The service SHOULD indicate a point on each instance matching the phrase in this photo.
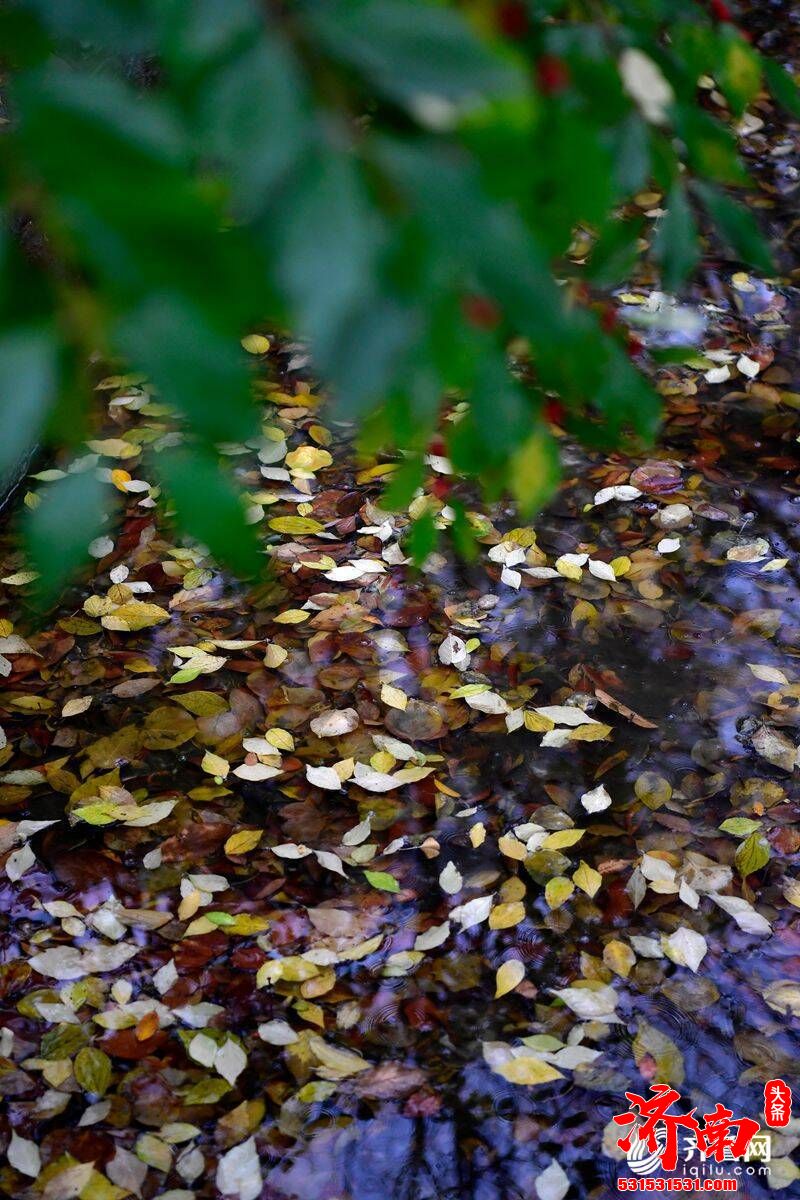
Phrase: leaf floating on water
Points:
(527, 1070)
(509, 976)
(553, 1183)
(685, 947)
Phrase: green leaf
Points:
(254, 116)
(737, 226)
(382, 880)
(712, 151)
(752, 855)
(739, 71)
(27, 385)
(422, 538)
(326, 239)
(412, 50)
(676, 245)
(58, 531)
(93, 1070)
(534, 471)
(197, 369)
(740, 826)
(209, 507)
(783, 86)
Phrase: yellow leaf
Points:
(308, 458)
(255, 343)
(619, 957)
(558, 891)
(240, 843)
(527, 1070)
(509, 976)
(562, 838)
(281, 739)
(477, 834)
(536, 723)
(589, 733)
(134, 615)
(505, 916)
(394, 697)
(120, 478)
(292, 616)
(587, 879)
(213, 764)
(569, 570)
(620, 566)
(295, 525)
(512, 847)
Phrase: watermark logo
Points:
(716, 1136)
(777, 1103)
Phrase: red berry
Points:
(608, 318)
(437, 446)
(552, 75)
(480, 311)
(554, 411)
(721, 11)
(634, 346)
(512, 19)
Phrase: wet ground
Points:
(371, 1062)
(434, 969)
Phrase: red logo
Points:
(777, 1103)
(719, 1136)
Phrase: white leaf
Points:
(450, 879)
(566, 714)
(747, 366)
(374, 781)
(324, 777)
(552, 1184)
(358, 834)
(256, 772)
(230, 1060)
(65, 962)
(645, 84)
(767, 674)
(24, 1156)
(507, 553)
(277, 1033)
(596, 800)
(203, 1050)
(335, 724)
(433, 937)
(19, 861)
(685, 947)
(589, 1003)
(488, 702)
(291, 850)
(718, 374)
(330, 861)
(743, 914)
(668, 545)
(165, 977)
(624, 491)
(601, 570)
(473, 912)
(453, 652)
(239, 1172)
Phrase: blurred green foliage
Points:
(397, 181)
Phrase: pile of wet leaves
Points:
(379, 872)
